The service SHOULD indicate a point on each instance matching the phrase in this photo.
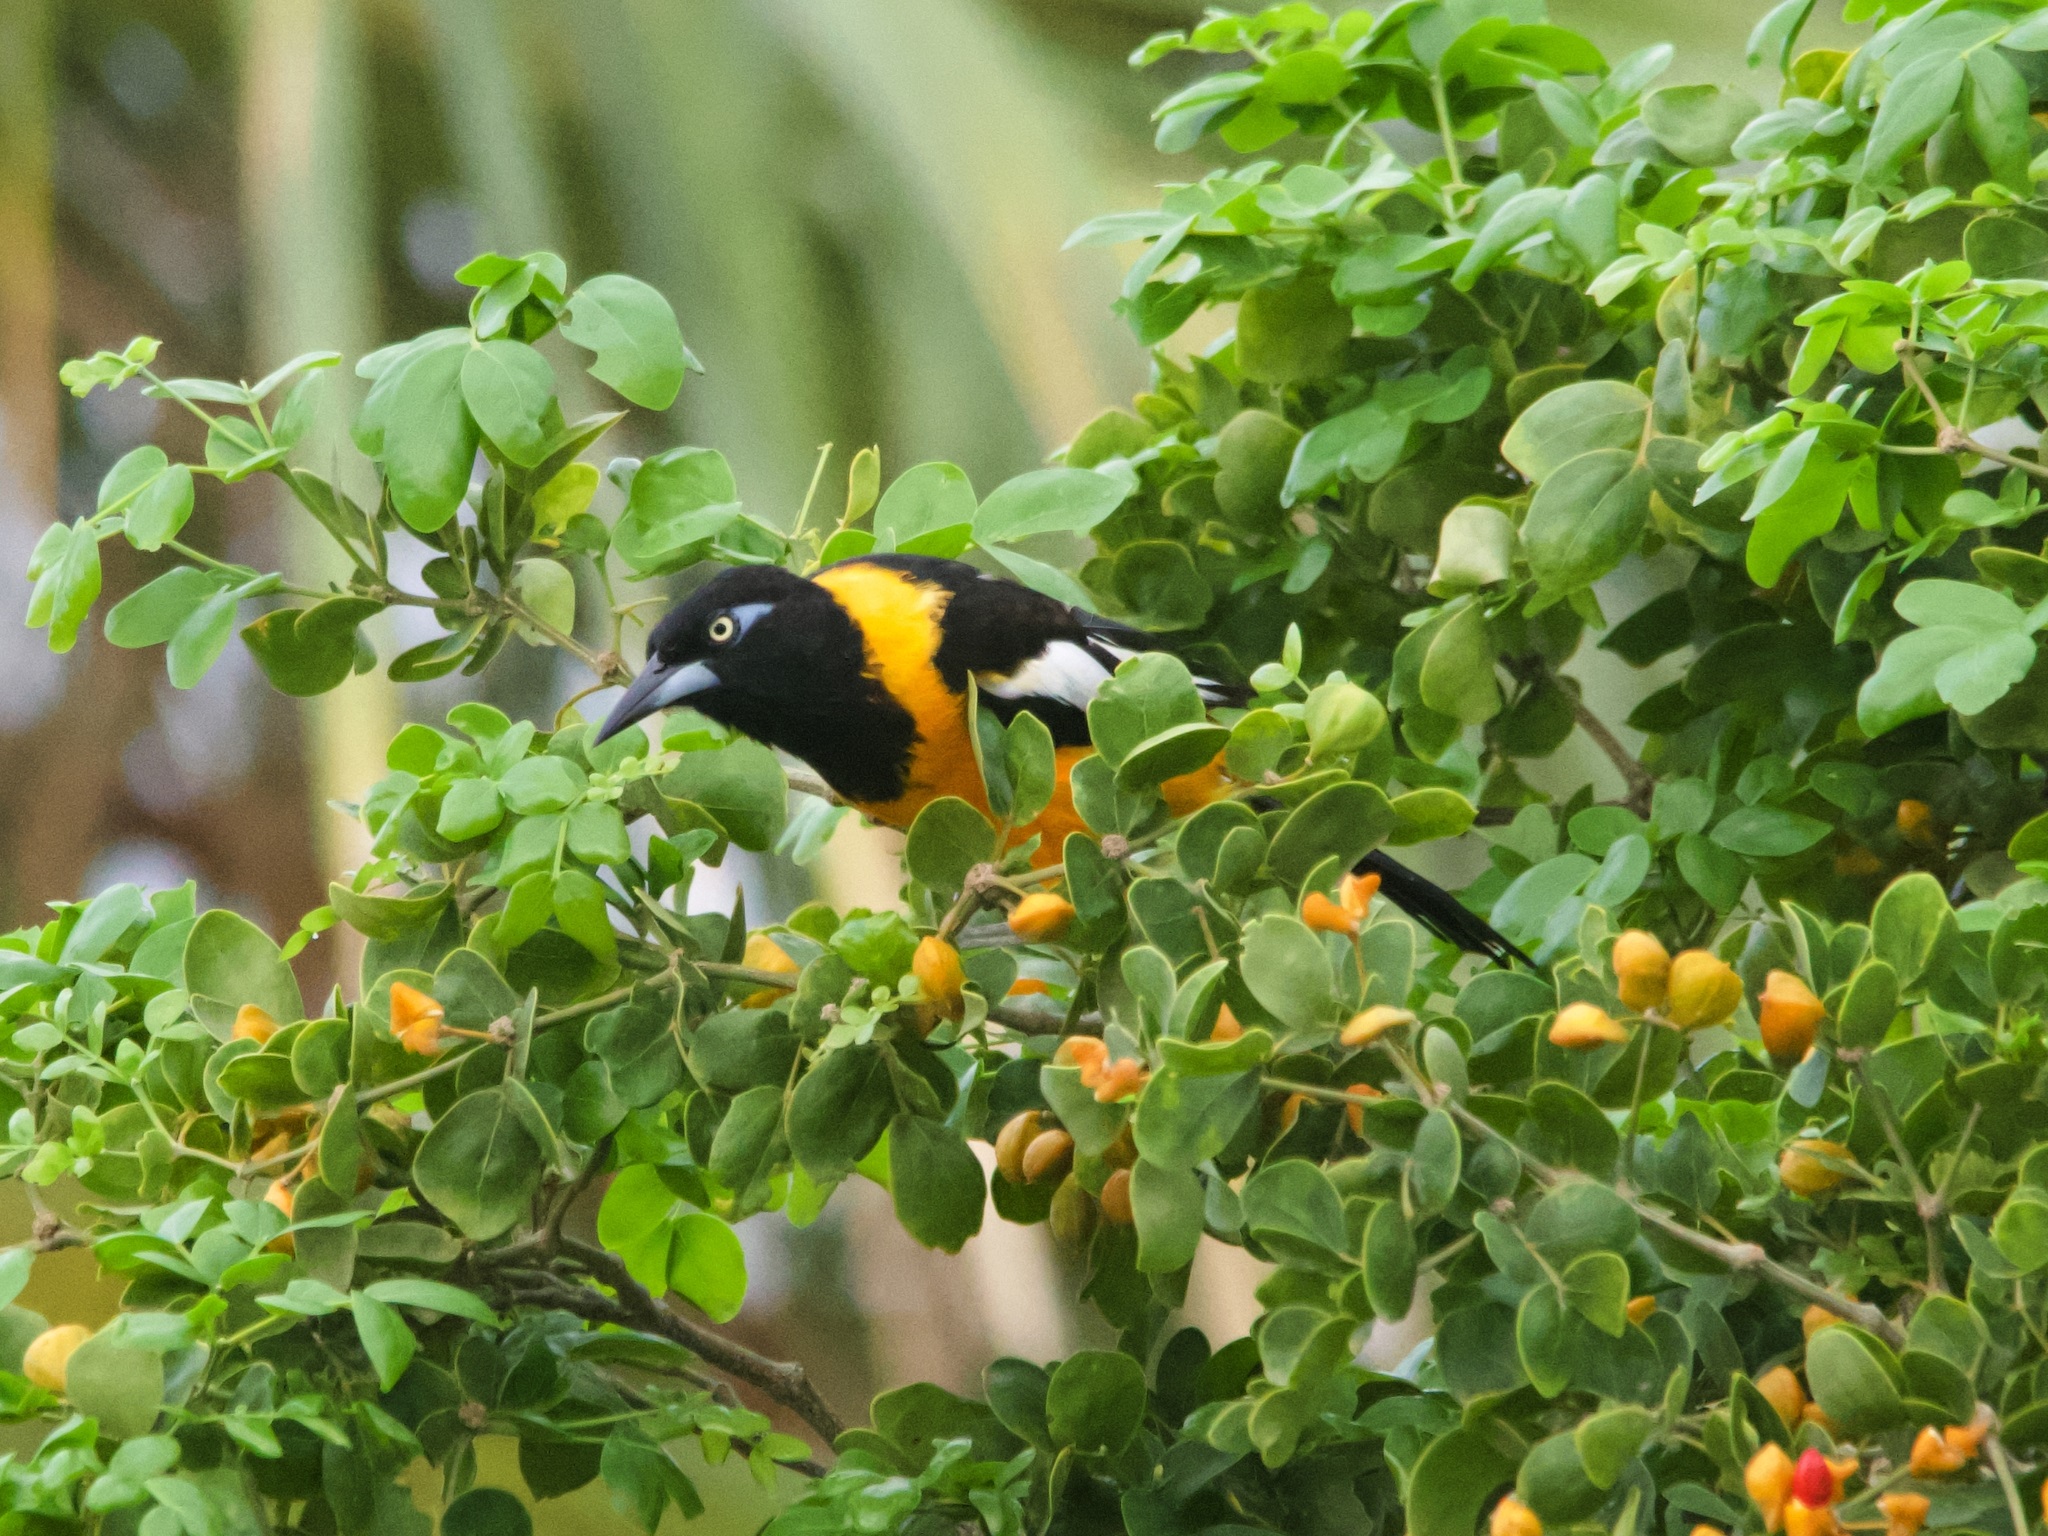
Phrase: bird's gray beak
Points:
(655, 689)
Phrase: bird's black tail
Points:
(1439, 911)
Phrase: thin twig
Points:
(1924, 1200)
(1641, 784)
(784, 1381)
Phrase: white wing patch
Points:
(1063, 671)
(1073, 674)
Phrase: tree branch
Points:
(784, 1381)
(1641, 786)
(1741, 1256)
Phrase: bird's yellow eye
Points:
(722, 629)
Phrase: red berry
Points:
(1812, 1483)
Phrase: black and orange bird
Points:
(861, 671)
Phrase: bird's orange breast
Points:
(900, 619)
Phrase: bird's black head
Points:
(764, 651)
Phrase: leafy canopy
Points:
(1530, 354)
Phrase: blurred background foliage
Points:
(857, 208)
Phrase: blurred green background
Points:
(856, 207)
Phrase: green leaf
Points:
(2021, 1231)
(508, 387)
(547, 590)
(153, 494)
(480, 1165)
(385, 1337)
(1364, 443)
(1343, 822)
(1867, 1009)
(1698, 124)
(924, 500)
(1030, 763)
(470, 808)
(1044, 501)
(948, 838)
(1292, 1209)
(839, 1111)
(1287, 969)
(1585, 518)
(741, 787)
(433, 1296)
(1765, 832)
(1149, 694)
(1855, 1379)
(1174, 751)
(307, 651)
(1911, 925)
(707, 1266)
(1095, 1402)
(1458, 669)
(486, 1512)
(1914, 105)
(1166, 1203)
(633, 331)
(66, 566)
(937, 1182)
(1389, 1260)
(429, 441)
(229, 961)
(584, 913)
(1579, 418)
(1452, 1480)
(151, 614)
(1596, 1287)
(680, 501)
(119, 1384)
(1609, 1440)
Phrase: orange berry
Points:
(1806, 1168)
(1029, 986)
(1325, 916)
(1934, 1456)
(1226, 1026)
(1011, 1141)
(1511, 1517)
(764, 954)
(936, 965)
(1803, 1519)
(1781, 1389)
(1906, 1513)
(48, 1355)
(1290, 1111)
(1366, 1027)
(1788, 1015)
(1703, 990)
(1120, 1079)
(1640, 1307)
(1354, 1114)
(1857, 862)
(1072, 1217)
(1049, 1156)
(1915, 821)
(1768, 1480)
(1811, 1414)
(1083, 1051)
(280, 1195)
(1585, 1027)
(1115, 1199)
(416, 1020)
(1355, 894)
(1041, 917)
(1815, 1318)
(1642, 969)
(1708, 1530)
(1968, 1437)
(252, 1023)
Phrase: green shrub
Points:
(1781, 369)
